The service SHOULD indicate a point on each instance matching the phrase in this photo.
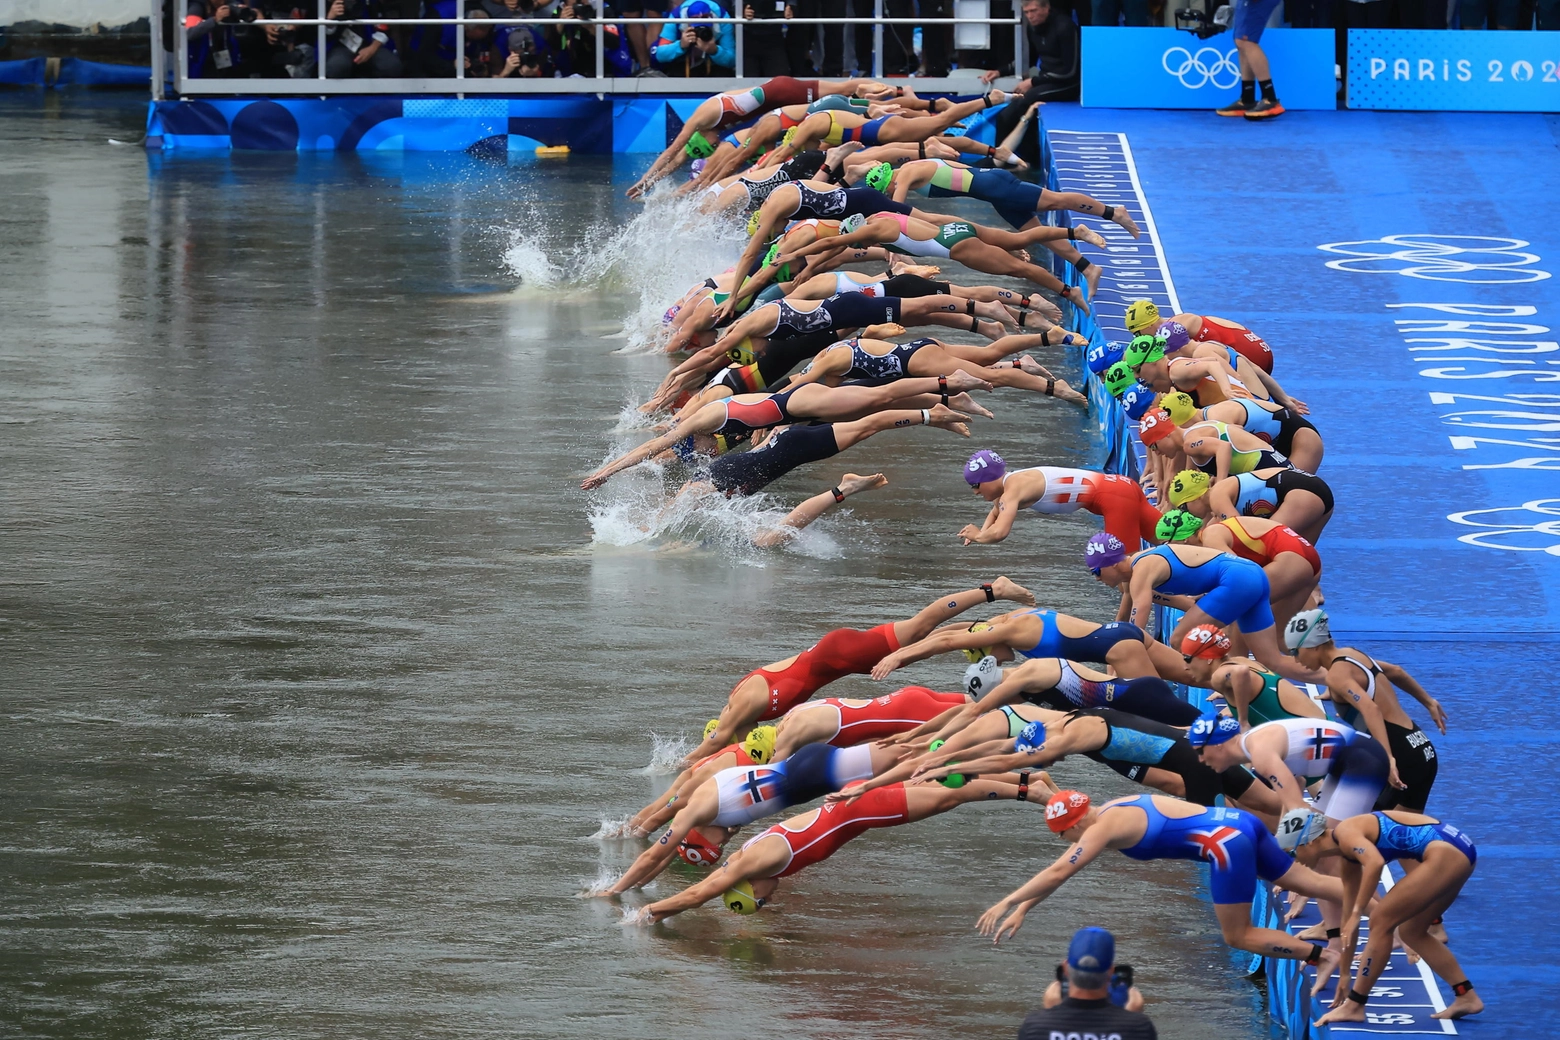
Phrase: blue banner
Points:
(1168, 68)
(1454, 71)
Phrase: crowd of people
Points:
(804, 348)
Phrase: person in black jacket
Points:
(1087, 1010)
(1051, 39)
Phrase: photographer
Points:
(286, 55)
(222, 43)
(358, 47)
(1088, 1007)
(689, 47)
(574, 47)
(527, 56)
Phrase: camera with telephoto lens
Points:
(584, 11)
(704, 32)
(238, 14)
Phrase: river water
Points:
(322, 677)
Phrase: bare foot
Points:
(1314, 933)
(1023, 254)
(1091, 279)
(945, 418)
(1010, 590)
(923, 270)
(935, 149)
(959, 379)
(1039, 303)
(851, 484)
(1084, 233)
(1060, 390)
(997, 313)
(966, 403)
(836, 155)
(1467, 1004)
(887, 330)
(1348, 1011)
(1126, 221)
(1297, 905)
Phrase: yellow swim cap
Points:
(1142, 315)
(1188, 486)
(1180, 406)
(753, 224)
(790, 135)
(710, 727)
(741, 900)
(974, 656)
(760, 744)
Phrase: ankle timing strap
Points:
(839, 496)
(1023, 778)
(1459, 988)
(1358, 998)
(1109, 213)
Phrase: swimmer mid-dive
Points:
(848, 721)
(1053, 490)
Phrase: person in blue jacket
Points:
(689, 47)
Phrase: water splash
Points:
(666, 754)
(604, 880)
(613, 828)
(525, 257)
(636, 917)
(637, 513)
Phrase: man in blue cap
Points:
(1087, 1009)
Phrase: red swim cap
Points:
(1065, 809)
(1205, 641)
(1155, 426)
(699, 850)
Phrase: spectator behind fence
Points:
(763, 39)
(526, 54)
(358, 47)
(641, 38)
(1052, 40)
(690, 47)
(574, 46)
(1087, 1009)
(222, 44)
(289, 54)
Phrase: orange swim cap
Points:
(1155, 426)
(1064, 810)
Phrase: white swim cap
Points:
(1307, 628)
(1299, 827)
(982, 677)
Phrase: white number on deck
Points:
(1388, 1019)
(1385, 992)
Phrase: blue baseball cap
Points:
(1102, 355)
(699, 9)
(1212, 728)
(1137, 400)
(1092, 950)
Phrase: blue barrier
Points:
(1167, 68)
(1454, 71)
(25, 73)
(78, 72)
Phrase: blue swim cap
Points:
(1031, 738)
(1102, 355)
(1212, 728)
(1137, 400)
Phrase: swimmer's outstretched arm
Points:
(1084, 851)
(1400, 678)
(940, 642)
(706, 420)
(999, 522)
(928, 730)
(1276, 392)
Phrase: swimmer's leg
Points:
(816, 506)
(1043, 234)
(947, 608)
(1081, 203)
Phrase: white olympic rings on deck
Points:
(1474, 259)
(1206, 66)
(1496, 535)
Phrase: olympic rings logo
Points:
(1473, 259)
(1208, 65)
(1511, 533)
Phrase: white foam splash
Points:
(639, 514)
(613, 828)
(666, 754)
(525, 257)
(636, 917)
(598, 885)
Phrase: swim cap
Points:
(1031, 738)
(740, 899)
(1142, 349)
(1299, 827)
(1188, 486)
(710, 727)
(699, 146)
(984, 465)
(698, 850)
(1064, 810)
(1141, 316)
(1307, 628)
(696, 167)
(773, 255)
(1138, 400)
(1173, 335)
(879, 176)
(974, 656)
(854, 222)
(1118, 377)
(760, 744)
(1206, 641)
(1177, 525)
(752, 225)
(1102, 355)
(790, 135)
(671, 313)
(1102, 550)
(1180, 406)
(1211, 728)
(983, 675)
(1155, 426)
(953, 780)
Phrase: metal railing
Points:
(460, 84)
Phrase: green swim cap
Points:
(1141, 350)
(699, 146)
(953, 780)
(1118, 377)
(1177, 525)
(854, 222)
(879, 177)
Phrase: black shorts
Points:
(1289, 424)
(1295, 480)
(748, 472)
(1417, 765)
(907, 286)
